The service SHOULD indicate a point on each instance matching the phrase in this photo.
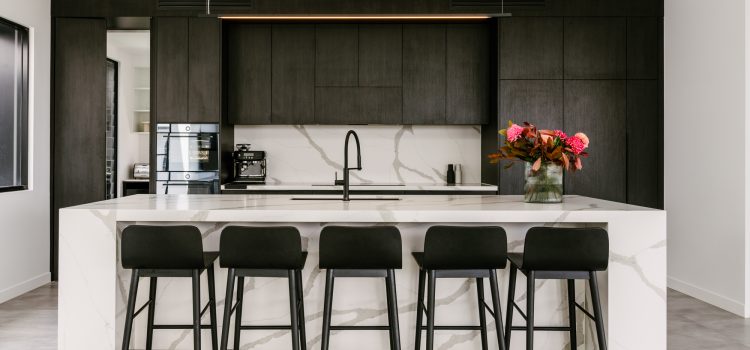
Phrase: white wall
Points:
(25, 215)
(705, 150)
(390, 153)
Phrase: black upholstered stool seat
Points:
(263, 252)
(559, 253)
(373, 251)
(167, 251)
(461, 252)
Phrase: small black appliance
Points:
(249, 165)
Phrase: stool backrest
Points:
(462, 247)
(566, 249)
(375, 247)
(261, 247)
(162, 247)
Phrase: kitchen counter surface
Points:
(93, 298)
(370, 188)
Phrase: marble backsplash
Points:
(390, 153)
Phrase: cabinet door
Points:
(467, 74)
(380, 55)
(171, 71)
(595, 48)
(358, 105)
(424, 74)
(293, 74)
(531, 48)
(204, 70)
(249, 84)
(336, 56)
(539, 102)
(597, 108)
(645, 47)
(645, 143)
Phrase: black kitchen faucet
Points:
(346, 161)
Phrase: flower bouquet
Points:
(546, 154)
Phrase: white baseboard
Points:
(720, 301)
(24, 287)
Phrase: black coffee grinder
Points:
(249, 166)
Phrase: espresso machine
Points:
(249, 166)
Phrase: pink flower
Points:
(514, 133)
(583, 138)
(562, 135)
(575, 144)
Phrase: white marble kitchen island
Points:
(93, 286)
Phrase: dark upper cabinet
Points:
(380, 55)
(645, 143)
(613, 7)
(467, 75)
(292, 73)
(645, 47)
(531, 48)
(424, 74)
(171, 71)
(595, 48)
(535, 101)
(249, 82)
(358, 105)
(598, 109)
(187, 74)
(336, 55)
(204, 70)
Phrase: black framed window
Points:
(14, 105)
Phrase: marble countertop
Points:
(365, 187)
(408, 208)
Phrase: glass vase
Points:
(544, 185)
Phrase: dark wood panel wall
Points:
(601, 73)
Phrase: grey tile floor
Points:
(29, 322)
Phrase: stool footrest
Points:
(455, 328)
(360, 328)
(180, 326)
(542, 328)
(264, 327)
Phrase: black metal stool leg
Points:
(420, 308)
(572, 313)
(482, 316)
(431, 279)
(393, 310)
(151, 309)
(327, 310)
(131, 309)
(212, 307)
(597, 310)
(293, 315)
(301, 316)
(510, 309)
(530, 291)
(196, 310)
(238, 311)
(497, 310)
(227, 309)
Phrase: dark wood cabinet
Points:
(645, 47)
(598, 109)
(204, 70)
(380, 55)
(358, 105)
(595, 48)
(531, 48)
(336, 55)
(171, 69)
(424, 74)
(293, 74)
(187, 72)
(535, 101)
(467, 74)
(249, 80)
(645, 129)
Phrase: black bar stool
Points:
(263, 252)
(461, 252)
(168, 251)
(559, 253)
(361, 252)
